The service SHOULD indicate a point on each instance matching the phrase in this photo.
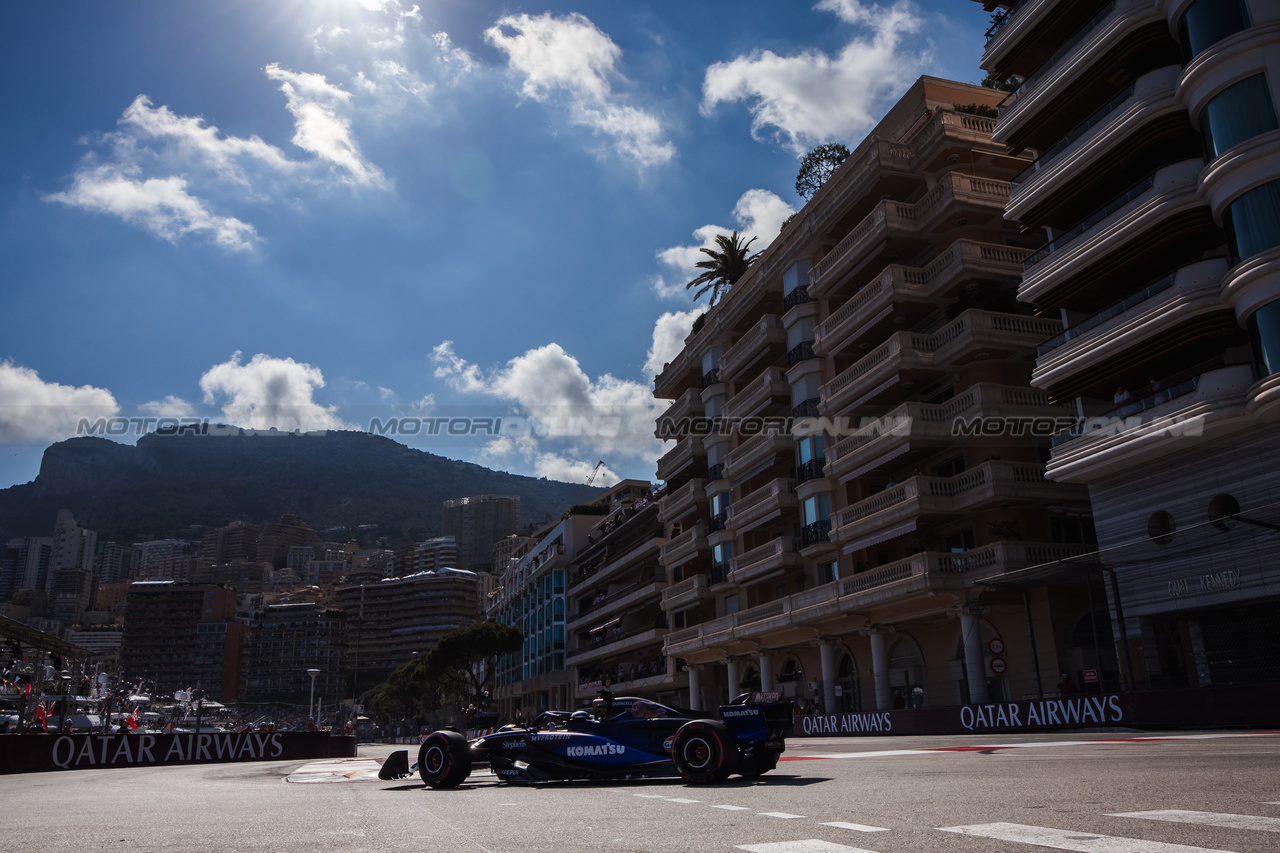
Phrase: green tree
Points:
(725, 267)
(817, 166)
(1004, 84)
(463, 663)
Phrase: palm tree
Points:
(725, 267)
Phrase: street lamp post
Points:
(311, 706)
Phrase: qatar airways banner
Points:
(33, 753)
(1212, 706)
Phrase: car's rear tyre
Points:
(444, 759)
(704, 751)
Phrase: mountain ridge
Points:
(168, 484)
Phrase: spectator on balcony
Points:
(1156, 385)
(1122, 396)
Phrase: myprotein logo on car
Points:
(598, 749)
(544, 738)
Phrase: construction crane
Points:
(590, 480)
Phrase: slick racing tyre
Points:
(444, 759)
(704, 751)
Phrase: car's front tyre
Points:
(444, 759)
(704, 752)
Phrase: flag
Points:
(133, 719)
(42, 716)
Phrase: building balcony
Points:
(685, 370)
(1024, 21)
(759, 395)
(748, 299)
(963, 261)
(623, 645)
(760, 341)
(683, 501)
(1120, 131)
(1120, 338)
(1154, 429)
(687, 405)
(975, 335)
(633, 685)
(619, 602)
(686, 547)
(758, 454)
(1119, 32)
(769, 561)
(687, 458)
(954, 194)
(687, 593)
(765, 504)
(896, 510)
(1140, 226)
(882, 161)
(795, 618)
(604, 571)
(914, 429)
(951, 133)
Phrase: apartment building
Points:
(858, 455)
(587, 596)
(1156, 196)
(286, 640)
(393, 619)
(476, 523)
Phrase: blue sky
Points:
(308, 214)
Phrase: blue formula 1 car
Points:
(621, 737)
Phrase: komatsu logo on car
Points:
(750, 712)
(598, 749)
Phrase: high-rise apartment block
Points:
(476, 523)
(1155, 195)
(849, 473)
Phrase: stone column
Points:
(827, 652)
(975, 665)
(880, 669)
(766, 672)
(735, 678)
(695, 689)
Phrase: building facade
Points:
(476, 523)
(855, 460)
(392, 620)
(1156, 195)
(178, 636)
(287, 640)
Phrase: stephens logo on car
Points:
(597, 749)
(514, 743)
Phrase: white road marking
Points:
(652, 796)
(856, 827)
(733, 808)
(812, 845)
(680, 800)
(783, 815)
(1227, 821)
(1062, 839)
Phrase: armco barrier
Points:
(34, 753)
(1206, 707)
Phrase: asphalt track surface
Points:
(1109, 793)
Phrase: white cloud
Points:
(669, 333)
(590, 419)
(556, 467)
(571, 55)
(811, 97)
(169, 407)
(194, 139)
(759, 214)
(34, 411)
(269, 393)
(315, 104)
(160, 205)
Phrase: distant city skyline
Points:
(318, 215)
